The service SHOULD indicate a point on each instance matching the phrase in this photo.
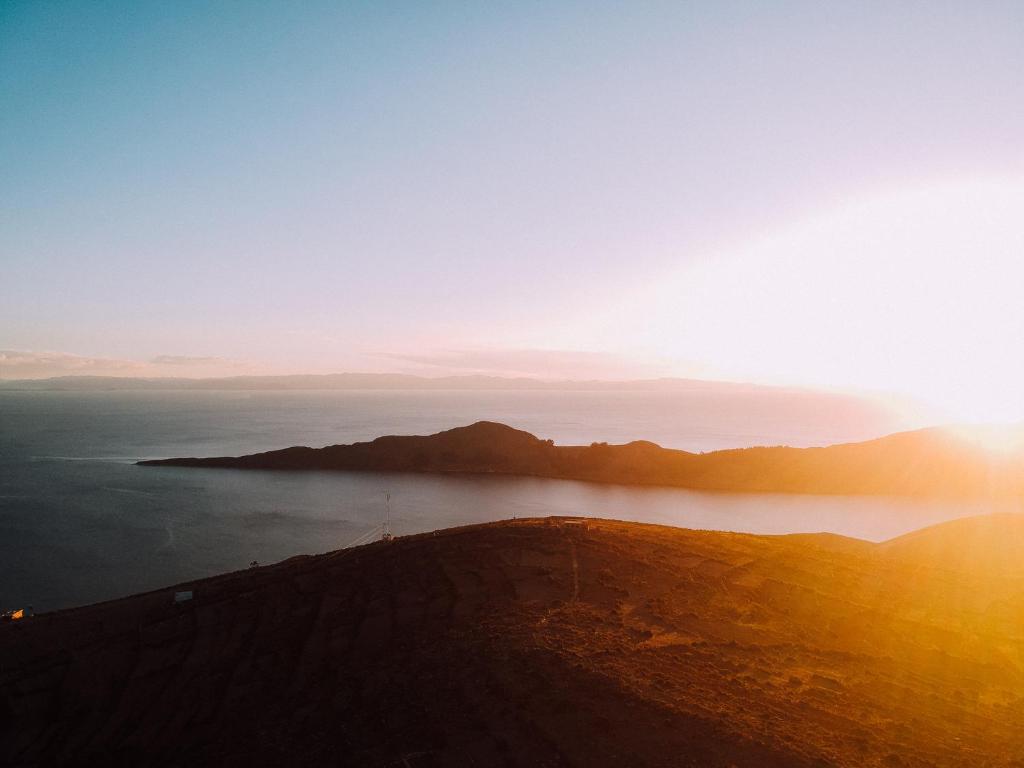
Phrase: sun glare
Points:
(908, 291)
(997, 439)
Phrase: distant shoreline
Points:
(384, 381)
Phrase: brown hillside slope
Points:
(931, 462)
(535, 643)
(991, 544)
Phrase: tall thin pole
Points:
(386, 529)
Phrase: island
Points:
(922, 463)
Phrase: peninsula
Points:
(926, 463)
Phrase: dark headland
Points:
(554, 642)
(930, 462)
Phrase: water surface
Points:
(79, 522)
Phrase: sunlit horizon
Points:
(823, 198)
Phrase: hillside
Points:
(923, 463)
(536, 643)
(990, 543)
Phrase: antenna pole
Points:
(385, 534)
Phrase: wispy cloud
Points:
(534, 363)
(17, 364)
(549, 364)
(22, 364)
(187, 360)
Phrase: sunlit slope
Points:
(931, 462)
(537, 643)
(985, 544)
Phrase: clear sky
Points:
(819, 193)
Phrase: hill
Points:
(988, 543)
(929, 462)
(535, 643)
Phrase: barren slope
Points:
(535, 643)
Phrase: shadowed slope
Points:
(924, 463)
(535, 643)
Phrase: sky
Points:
(822, 194)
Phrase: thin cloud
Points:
(534, 363)
(25, 364)
(18, 364)
(187, 360)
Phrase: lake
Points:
(79, 522)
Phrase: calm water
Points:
(80, 523)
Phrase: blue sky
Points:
(431, 186)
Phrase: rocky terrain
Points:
(931, 462)
(545, 642)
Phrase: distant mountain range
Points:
(929, 462)
(384, 381)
